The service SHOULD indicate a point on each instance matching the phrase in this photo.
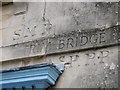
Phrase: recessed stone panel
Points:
(83, 40)
(66, 42)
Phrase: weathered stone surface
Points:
(56, 18)
(88, 69)
(24, 50)
(73, 34)
(66, 42)
(83, 69)
(84, 40)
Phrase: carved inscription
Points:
(81, 40)
(68, 60)
(94, 56)
(26, 31)
(101, 55)
(66, 42)
(84, 40)
(31, 30)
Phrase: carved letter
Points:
(36, 46)
(104, 53)
(74, 57)
(102, 37)
(91, 55)
(17, 34)
(61, 58)
(94, 38)
(70, 42)
(84, 40)
(61, 44)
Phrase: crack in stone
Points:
(44, 13)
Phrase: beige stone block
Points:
(88, 69)
(1, 39)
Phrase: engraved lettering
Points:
(61, 44)
(61, 58)
(102, 37)
(35, 46)
(17, 34)
(84, 40)
(70, 42)
(94, 38)
(91, 55)
(104, 53)
(66, 42)
(76, 42)
(74, 57)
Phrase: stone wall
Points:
(84, 36)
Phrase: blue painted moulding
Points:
(31, 77)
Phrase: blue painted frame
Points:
(36, 76)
